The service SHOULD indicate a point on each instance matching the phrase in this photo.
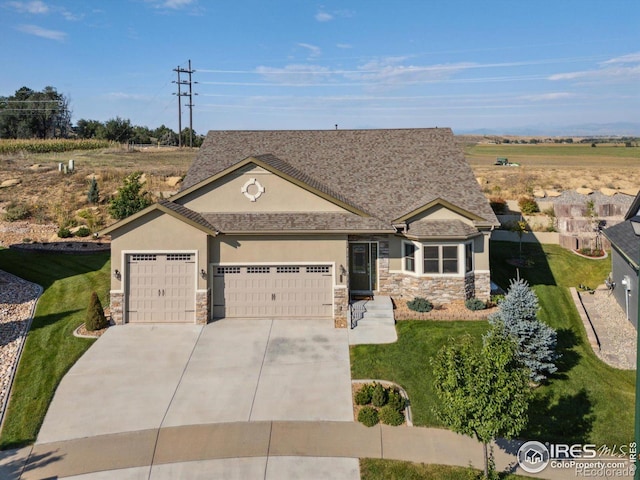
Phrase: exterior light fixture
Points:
(116, 274)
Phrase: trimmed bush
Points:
(396, 401)
(363, 396)
(475, 304)
(368, 416)
(64, 232)
(420, 304)
(83, 232)
(95, 318)
(379, 395)
(390, 416)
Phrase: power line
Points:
(189, 94)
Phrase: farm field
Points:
(554, 167)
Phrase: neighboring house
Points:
(625, 258)
(295, 223)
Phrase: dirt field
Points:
(555, 167)
(54, 198)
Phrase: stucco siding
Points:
(439, 212)
(621, 268)
(157, 232)
(225, 195)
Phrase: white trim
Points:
(419, 259)
(124, 272)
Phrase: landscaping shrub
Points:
(93, 195)
(475, 304)
(95, 318)
(363, 396)
(368, 416)
(420, 304)
(390, 416)
(17, 211)
(64, 232)
(83, 232)
(395, 400)
(379, 395)
(528, 206)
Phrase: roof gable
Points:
(281, 169)
(383, 173)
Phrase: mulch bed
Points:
(68, 247)
(449, 311)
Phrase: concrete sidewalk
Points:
(251, 450)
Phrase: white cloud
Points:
(42, 32)
(344, 45)
(392, 71)
(324, 17)
(618, 69)
(295, 74)
(35, 7)
(548, 96)
(314, 51)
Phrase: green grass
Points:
(585, 401)
(50, 349)
(378, 469)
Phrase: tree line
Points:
(47, 114)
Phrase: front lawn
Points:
(379, 469)
(50, 349)
(585, 401)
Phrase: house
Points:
(625, 258)
(296, 223)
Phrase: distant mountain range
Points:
(620, 129)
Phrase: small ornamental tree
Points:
(483, 392)
(94, 193)
(535, 341)
(95, 318)
(130, 198)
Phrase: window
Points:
(439, 259)
(468, 257)
(410, 257)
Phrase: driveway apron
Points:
(138, 377)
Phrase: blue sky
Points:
(293, 64)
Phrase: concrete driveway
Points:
(139, 377)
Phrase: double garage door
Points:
(255, 291)
(161, 288)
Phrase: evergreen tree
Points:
(94, 193)
(130, 198)
(95, 318)
(535, 341)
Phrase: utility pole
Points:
(189, 94)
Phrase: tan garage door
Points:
(280, 291)
(161, 288)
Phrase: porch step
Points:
(377, 324)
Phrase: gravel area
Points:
(17, 302)
(616, 334)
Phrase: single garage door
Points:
(273, 291)
(161, 288)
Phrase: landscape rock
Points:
(553, 193)
(609, 192)
(92, 176)
(10, 183)
(174, 181)
(584, 191)
(539, 193)
(630, 191)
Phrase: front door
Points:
(362, 266)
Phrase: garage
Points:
(273, 291)
(160, 288)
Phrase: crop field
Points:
(554, 166)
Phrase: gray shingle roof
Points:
(440, 228)
(186, 213)
(387, 173)
(292, 222)
(625, 240)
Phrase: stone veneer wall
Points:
(202, 307)
(340, 307)
(116, 305)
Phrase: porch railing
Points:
(356, 312)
